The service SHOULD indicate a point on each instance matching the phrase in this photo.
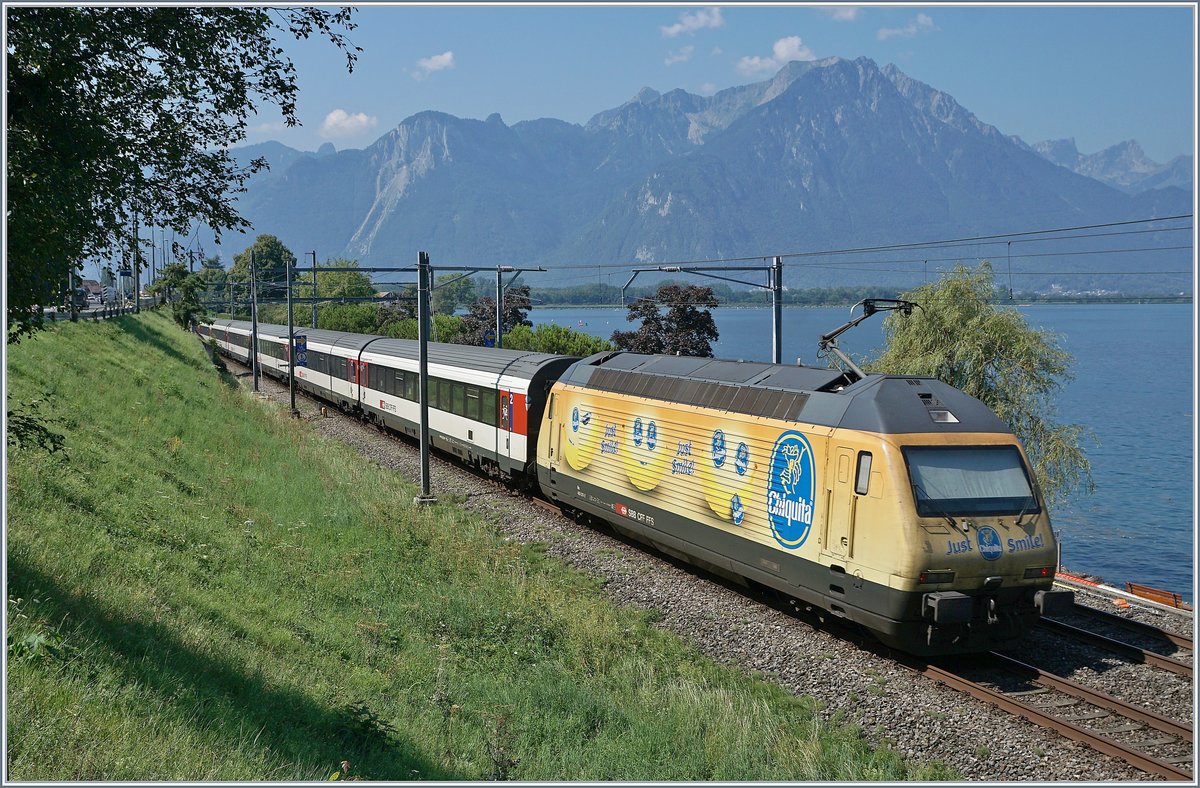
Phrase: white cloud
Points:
(340, 123)
(922, 24)
(842, 13)
(428, 65)
(784, 50)
(708, 88)
(681, 56)
(269, 128)
(690, 23)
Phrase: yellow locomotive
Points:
(899, 503)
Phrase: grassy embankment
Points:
(202, 589)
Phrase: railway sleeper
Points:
(1055, 704)
(1157, 742)
(1099, 714)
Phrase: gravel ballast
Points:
(915, 716)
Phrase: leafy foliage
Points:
(961, 338)
(686, 328)
(334, 284)
(214, 277)
(271, 262)
(549, 338)
(450, 292)
(119, 115)
(182, 291)
(482, 317)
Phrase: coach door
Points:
(356, 376)
(506, 421)
(839, 533)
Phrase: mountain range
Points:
(828, 154)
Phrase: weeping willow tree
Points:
(961, 337)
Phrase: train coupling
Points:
(1054, 603)
(948, 607)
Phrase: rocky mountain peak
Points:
(646, 96)
(1063, 152)
(825, 152)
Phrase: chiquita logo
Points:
(718, 449)
(791, 490)
(989, 543)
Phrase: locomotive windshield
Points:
(969, 480)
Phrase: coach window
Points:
(458, 404)
(862, 478)
(472, 409)
(487, 406)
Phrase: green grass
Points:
(200, 588)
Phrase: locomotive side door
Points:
(554, 439)
(839, 530)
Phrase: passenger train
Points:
(898, 503)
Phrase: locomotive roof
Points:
(497, 361)
(828, 397)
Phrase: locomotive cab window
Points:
(969, 480)
(862, 478)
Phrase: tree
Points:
(271, 261)
(450, 292)
(961, 338)
(334, 284)
(549, 338)
(119, 115)
(482, 317)
(187, 302)
(169, 280)
(213, 276)
(684, 329)
(182, 291)
(355, 318)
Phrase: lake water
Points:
(1133, 390)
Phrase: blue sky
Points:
(1100, 74)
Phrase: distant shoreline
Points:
(1021, 302)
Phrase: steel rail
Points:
(1097, 741)
(1135, 653)
(1096, 698)
(1132, 625)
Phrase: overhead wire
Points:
(1021, 236)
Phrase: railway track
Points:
(1130, 651)
(1148, 741)
(1162, 636)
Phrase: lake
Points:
(1133, 389)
